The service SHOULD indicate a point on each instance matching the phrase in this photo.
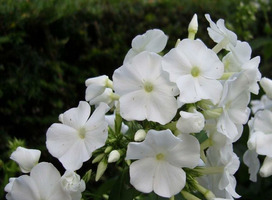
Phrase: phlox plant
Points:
(168, 119)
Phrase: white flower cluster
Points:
(172, 119)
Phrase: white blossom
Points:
(195, 69)
(74, 140)
(26, 158)
(266, 169)
(42, 183)
(159, 161)
(144, 89)
(96, 86)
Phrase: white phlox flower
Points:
(266, 84)
(195, 69)
(239, 59)
(153, 40)
(144, 89)
(220, 34)
(71, 183)
(260, 137)
(234, 101)
(266, 169)
(79, 134)
(223, 184)
(159, 161)
(190, 122)
(96, 86)
(42, 183)
(251, 160)
(26, 158)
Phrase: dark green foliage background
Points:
(48, 48)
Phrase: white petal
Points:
(188, 92)
(138, 150)
(210, 89)
(263, 144)
(130, 54)
(75, 156)
(227, 127)
(161, 108)
(142, 174)
(133, 106)
(98, 117)
(185, 153)
(251, 160)
(59, 139)
(96, 138)
(77, 117)
(168, 180)
(266, 169)
(46, 178)
(153, 40)
(24, 188)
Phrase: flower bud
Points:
(190, 122)
(71, 182)
(193, 27)
(114, 156)
(266, 84)
(140, 135)
(26, 158)
(266, 169)
(101, 168)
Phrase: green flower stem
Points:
(217, 48)
(191, 35)
(114, 96)
(207, 143)
(172, 198)
(207, 193)
(188, 195)
(226, 75)
(203, 156)
(209, 170)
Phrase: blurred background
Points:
(48, 48)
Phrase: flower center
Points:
(148, 86)
(160, 156)
(82, 133)
(195, 71)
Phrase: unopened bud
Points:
(101, 168)
(193, 27)
(213, 113)
(266, 169)
(114, 156)
(108, 149)
(140, 135)
(98, 158)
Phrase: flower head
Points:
(144, 89)
(195, 69)
(159, 161)
(42, 183)
(73, 141)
